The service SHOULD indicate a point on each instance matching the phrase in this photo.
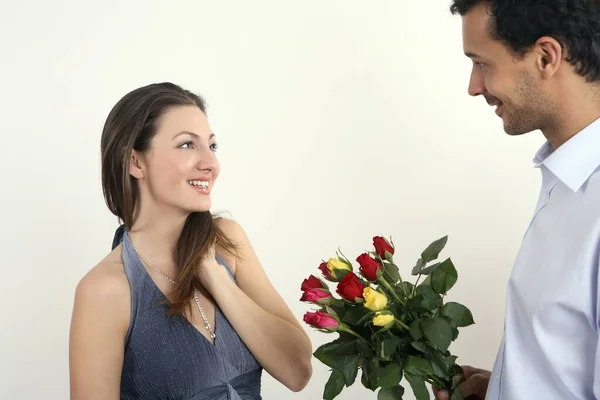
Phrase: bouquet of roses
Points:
(388, 328)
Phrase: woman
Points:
(181, 308)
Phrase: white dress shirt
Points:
(550, 347)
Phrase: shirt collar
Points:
(575, 161)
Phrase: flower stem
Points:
(346, 329)
(399, 279)
(402, 325)
(414, 289)
(439, 383)
(392, 292)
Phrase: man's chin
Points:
(515, 131)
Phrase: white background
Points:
(337, 121)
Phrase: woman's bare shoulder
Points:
(105, 285)
(234, 232)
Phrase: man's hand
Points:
(475, 383)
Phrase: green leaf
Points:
(408, 287)
(389, 256)
(457, 395)
(443, 278)
(350, 369)
(417, 366)
(334, 385)
(418, 267)
(430, 299)
(331, 309)
(369, 373)
(326, 358)
(418, 386)
(416, 330)
(340, 347)
(426, 281)
(391, 271)
(390, 376)
(419, 346)
(453, 325)
(430, 269)
(450, 361)
(438, 331)
(456, 370)
(434, 249)
(388, 347)
(363, 347)
(459, 313)
(393, 393)
(355, 315)
(338, 309)
(456, 379)
(341, 273)
(334, 356)
(438, 363)
(329, 353)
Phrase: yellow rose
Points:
(334, 264)
(383, 319)
(374, 300)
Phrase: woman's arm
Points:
(259, 314)
(98, 326)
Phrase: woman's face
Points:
(180, 168)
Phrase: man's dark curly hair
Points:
(575, 24)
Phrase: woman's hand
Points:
(209, 270)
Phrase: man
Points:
(538, 64)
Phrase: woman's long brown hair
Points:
(131, 125)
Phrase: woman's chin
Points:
(199, 208)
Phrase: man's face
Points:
(505, 81)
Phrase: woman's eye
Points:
(187, 145)
(214, 147)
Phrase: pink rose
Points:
(313, 291)
(321, 320)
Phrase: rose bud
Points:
(368, 267)
(321, 320)
(381, 246)
(350, 287)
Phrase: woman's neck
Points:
(155, 236)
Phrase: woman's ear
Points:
(135, 165)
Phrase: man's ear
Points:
(136, 165)
(548, 55)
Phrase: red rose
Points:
(321, 320)
(381, 246)
(350, 287)
(314, 291)
(325, 272)
(368, 267)
(312, 283)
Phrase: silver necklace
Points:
(196, 299)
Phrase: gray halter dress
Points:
(167, 358)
